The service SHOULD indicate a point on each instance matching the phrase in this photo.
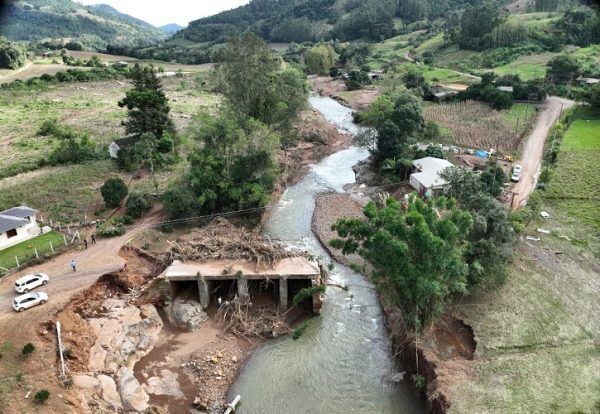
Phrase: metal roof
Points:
(10, 223)
(20, 212)
(429, 171)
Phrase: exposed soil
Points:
(336, 89)
(317, 140)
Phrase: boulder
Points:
(133, 396)
(108, 391)
(86, 382)
(186, 314)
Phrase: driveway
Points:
(533, 152)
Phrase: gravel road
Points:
(533, 152)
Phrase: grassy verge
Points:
(26, 251)
(573, 188)
(536, 350)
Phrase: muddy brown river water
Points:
(342, 363)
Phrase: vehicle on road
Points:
(28, 300)
(29, 282)
(516, 175)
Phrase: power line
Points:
(239, 212)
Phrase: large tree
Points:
(415, 254)
(255, 84)
(320, 59)
(147, 105)
(563, 68)
(12, 56)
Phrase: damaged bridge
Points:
(287, 276)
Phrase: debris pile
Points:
(244, 320)
(214, 369)
(221, 240)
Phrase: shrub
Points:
(138, 204)
(113, 192)
(41, 396)
(112, 231)
(28, 349)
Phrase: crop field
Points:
(474, 124)
(535, 335)
(574, 185)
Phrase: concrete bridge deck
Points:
(241, 271)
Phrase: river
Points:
(342, 363)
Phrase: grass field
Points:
(574, 181)
(527, 67)
(64, 194)
(584, 132)
(26, 250)
(536, 350)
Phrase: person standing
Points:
(85, 243)
(93, 239)
(74, 265)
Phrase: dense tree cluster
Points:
(235, 166)
(417, 254)
(320, 59)
(12, 55)
(93, 27)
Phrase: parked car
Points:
(516, 175)
(28, 300)
(29, 282)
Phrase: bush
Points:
(41, 396)
(108, 232)
(28, 349)
(138, 204)
(113, 192)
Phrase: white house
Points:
(17, 225)
(118, 144)
(427, 174)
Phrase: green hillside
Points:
(94, 27)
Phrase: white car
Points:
(29, 282)
(28, 300)
(516, 175)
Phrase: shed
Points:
(118, 144)
(427, 174)
(505, 88)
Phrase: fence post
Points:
(51, 248)
(51, 225)
(17, 259)
(65, 239)
(69, 230)
(36, 253)
(85, 219)
(59, 227)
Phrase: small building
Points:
(426, 178)
(587, 81)
(121, 64)
(18, 224)
(505, 89)
(118, 144)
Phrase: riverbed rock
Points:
(108, 391)
(166, 384)
(186, 313)
(86, 382)
(133, 396)
(123, 337)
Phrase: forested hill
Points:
(314, 20)
(93, 27)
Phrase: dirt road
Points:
(533, 152)
(98, 259)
